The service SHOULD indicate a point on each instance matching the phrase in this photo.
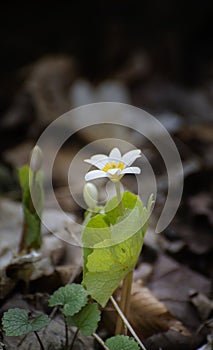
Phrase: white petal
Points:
(98, 160)
(131, 170)
(98, 157)
(115, 154)
(98, 163)
(95, 174)
(114, 171)
(129, 157)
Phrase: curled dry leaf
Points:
(149, 316)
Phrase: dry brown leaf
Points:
(149, 316)
(32, 266)
(202, 303)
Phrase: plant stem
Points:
(23, 237)
(39, 340)
(100, 341)
(73, 339)
(127, 282)
(32, 209)
(128, 325)
(118, 193)
(124, 303)
(66, 334)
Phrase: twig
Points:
(100, 341)
(127, 323)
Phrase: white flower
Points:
(113, 166)
(90, 195)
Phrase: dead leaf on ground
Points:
(202, 303)
(171, 283)
(149, 316)
(35, 265)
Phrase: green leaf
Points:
(117, 242)
(95, 231)
(122, 342)
(112, 209)
(16, 322)
(72, 297)
(32, 210)
(86, 320)
(108, 266)
(40, 322)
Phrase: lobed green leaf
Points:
(72, 297)
(122, 342)
(16, 322)
(86, 320)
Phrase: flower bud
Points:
(36, 159)
(90, 195)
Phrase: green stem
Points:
(127, 282)
(32, 210)
(73, 339)
(39, 340)
(118, 193)
(124, 303)
(128, 325)
(23, 237)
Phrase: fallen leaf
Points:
(171, 283)
(149, 316)
(202, 303)
(32, 266)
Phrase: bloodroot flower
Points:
(113, 166)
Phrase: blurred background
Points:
(154, 55)
(160, 51)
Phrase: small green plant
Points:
(18, 322)
(84, 314)
(113, 235)
(112, 240)
(30, 179)
(78, 311)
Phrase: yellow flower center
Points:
(113, 165)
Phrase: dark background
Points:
(102, 35)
